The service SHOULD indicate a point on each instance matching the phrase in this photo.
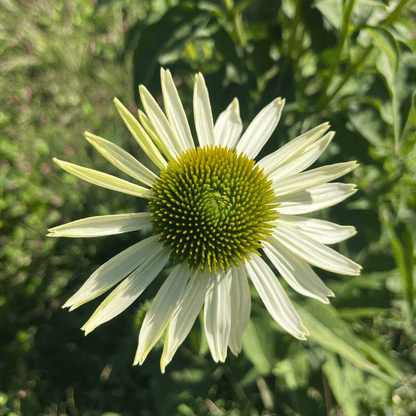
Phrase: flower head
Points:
(212, 208)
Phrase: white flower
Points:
(211, 208)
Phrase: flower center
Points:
(212, 207)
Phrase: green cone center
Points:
(212, 207)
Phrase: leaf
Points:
(403, 255)
(358, 313)
(367, 122)
(408, 138)
(327, 330)
(401, 242)
(258, 343)
(389, 53)
(332, 10)
(176, 27)
(387, 65)
(295, 371)
(339, 385)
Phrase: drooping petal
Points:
(313, 252)
(260, 129)
(202, 113)
(141, 137)
(275, 298)
(303, 161)
(324, 232)
(160, 311)
(228, 126)
(128, 290)
(113, 271)
(240, 307)
(315, 198)
(175, 111)
(103, 225)
(184, 315)
(312, 178)
(297, 272)
(292, 149)
(217, 314)
(104, 180)
(122, 159)
(160, 123)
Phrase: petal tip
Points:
(280, 102)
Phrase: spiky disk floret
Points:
(212, 207)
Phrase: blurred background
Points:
(349, 62)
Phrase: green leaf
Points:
(339, 385)
(401, 242)
(258, 343)
(408, 138)
(171, 33)
(295, 371)
(358, 313)
(332, 10)
(403, 254)
(327, 330)
(389, 52)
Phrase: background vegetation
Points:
(348, 62)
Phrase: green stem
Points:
(347, 76)
(395, 123)
(387, 22)
(236, 17)
(295, 24)
(346, 18)
(395, 13)
(239, 28)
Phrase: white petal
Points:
(297, 272)
(202, 113)
(184, 315)
(228, 126)
(260, 129)
(140, 135)
(147, 124)
(114, 270)
(103, 225)
(160, 123)
(122, 159)
(160, 311)
(312, 178)
(292, 149)
(275, 298)
(240, 307)
(324, 232)
(303, 161)
(104, 180)
(313, 252)
(217, 311)
(128, 290)
(175, 111)
(316, 198)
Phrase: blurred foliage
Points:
(348, 62)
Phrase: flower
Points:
(211, 209)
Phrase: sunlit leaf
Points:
(332, 334)
(389, 52)
(332, 10)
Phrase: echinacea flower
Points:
(211, 208)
